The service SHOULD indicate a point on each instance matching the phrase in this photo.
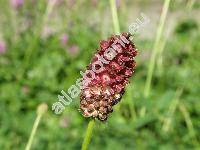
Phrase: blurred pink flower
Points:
(59, 2)
(118, 3)
(94, 2)
(73, 50)
(25, 89)
(2, 47)
(64, 39)
(16, 3)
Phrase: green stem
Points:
(188, 121)
(155, 48)
(88, 135)
(90, 127)
(116, 26)
(160, 57)
(190, 4)
(42, 108)
(35, 126)
(168, 120)
(114, 16)
(130, 90)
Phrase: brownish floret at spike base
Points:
(107, 87)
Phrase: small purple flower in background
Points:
(64, 39)
(118, 3)
(16, 3)
(2, 47)
(73, 50)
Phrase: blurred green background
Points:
(45, 44)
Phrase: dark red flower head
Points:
(107, 75)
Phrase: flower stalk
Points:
(190, 4)
(156, 48)
(88, 135)
(114, 16)
(42, 108)
(90, 127)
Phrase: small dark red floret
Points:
(107, 87)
